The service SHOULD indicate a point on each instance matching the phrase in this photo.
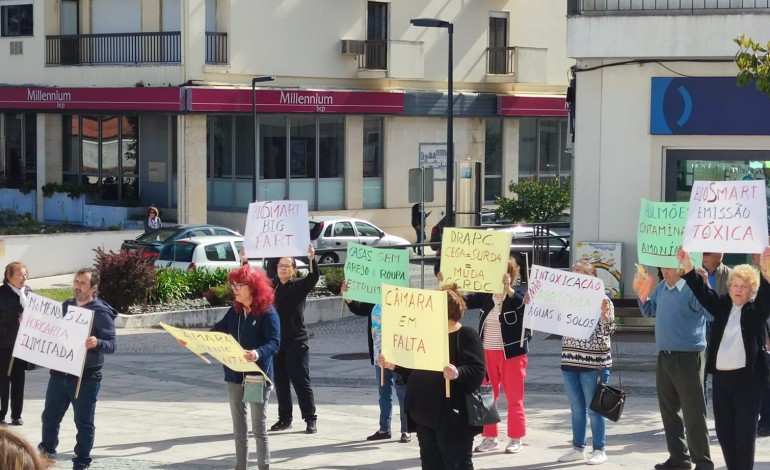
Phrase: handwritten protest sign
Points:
(661, 230)
(52, 338)
(366, 268)
(415, 328)
(475, 260)
(275, 229)
(563, 302)
(221, 346)
(726, 217)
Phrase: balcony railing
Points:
(500, 60)
(120, 48)
(623, 7)
(376, 55)
(216, 48)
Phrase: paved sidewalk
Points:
(162, 408)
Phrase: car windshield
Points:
(159, 235)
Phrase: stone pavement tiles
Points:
(162, 408)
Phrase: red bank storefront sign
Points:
(293, 101)
(88, 99)
(512, 105)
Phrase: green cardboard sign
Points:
(367, 268)
(660, 233)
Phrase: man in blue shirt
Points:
(62, 388)
(680, 334)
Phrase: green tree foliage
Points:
(534, 201)
(753, 63)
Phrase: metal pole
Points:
(254, 118)
(450, 154)
(256, 156)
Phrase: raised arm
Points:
(704, 294)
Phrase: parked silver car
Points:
(207, 253)
(334, 233)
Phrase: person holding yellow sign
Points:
(443, 430)
(253, 322)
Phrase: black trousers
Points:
(764, 410)
(447, 448)
(11, 387)
(292, 366)
(737, 396)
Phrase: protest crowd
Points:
(447, 376)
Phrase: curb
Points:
(316, 310)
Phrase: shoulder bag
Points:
(481, 406)
(609, 401)
(253, 389)
(480, 403)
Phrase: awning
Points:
(91, 99)
(520, 105)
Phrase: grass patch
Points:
(61, 294)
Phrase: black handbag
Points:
(480, 403)
(481, 406)
(609, 401)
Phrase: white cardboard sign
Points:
(51, 339)
(276, 229)
(726, 217)
(563, 302)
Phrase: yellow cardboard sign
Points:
(221, 346)
(415, 329)
(475, 260)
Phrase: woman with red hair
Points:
(253, 322)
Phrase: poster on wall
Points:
(434, 155)
(607, 258)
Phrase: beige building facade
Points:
(147, 101)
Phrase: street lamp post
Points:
(450, 146)
(254, 82)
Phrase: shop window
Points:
(684, 166)
(20, 166)
(493, 160)
(372, 165)
(103, 151)
(16, 20)
(300, 157)
(542, 149)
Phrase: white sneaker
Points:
(574, 455)
(489, 443)
(597, 458)
(514, 447)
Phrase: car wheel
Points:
(328, 258)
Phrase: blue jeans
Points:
(580, 387)
(386, 399)
(58, 396)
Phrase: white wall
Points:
(670, 36)
(44, 256)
